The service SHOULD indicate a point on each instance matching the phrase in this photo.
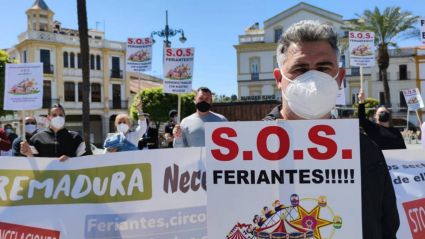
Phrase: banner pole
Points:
(178, 107)
(138, 92)
(419, 119)
(361, 78)
(23, 126)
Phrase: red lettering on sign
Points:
(225, 143)
(328, 143)
(415, 213)
(284, 143)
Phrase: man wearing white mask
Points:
(56, 141)
(30, 130)
(309, 77)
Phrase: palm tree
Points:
(85, 53)
(388, 26)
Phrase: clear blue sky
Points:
(212, 27)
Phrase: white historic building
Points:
(256, 60)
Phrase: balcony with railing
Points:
(402, 108)
(118, 104)
(246, 39)
(48, 69)
(49, 102)
(255, 76)
(403, 75)
(116, 74)
(69, 40)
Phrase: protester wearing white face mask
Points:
(123, 125)
(308, 76)
(56, 141)
(30, 130)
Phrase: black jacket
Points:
(379, 208)
(16, 145)
(51, 144)
(151, 136)
(384, 137)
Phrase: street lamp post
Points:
(168, 32)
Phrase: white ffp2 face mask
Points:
(311, 95)
(123, 128)
(57, 122)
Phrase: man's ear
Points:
(278, 77)
(341, 76)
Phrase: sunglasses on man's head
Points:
(28, 123)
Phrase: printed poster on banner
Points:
(23, 88)
(408, 176)
(292, 179)
(362, 48)
(156, 194)
(413, 99)
(422, 24)
(340, 99)
(178, 70)
(139, 54)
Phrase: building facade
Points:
(58, 48)
(256, 51)
(256, 60)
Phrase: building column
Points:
(105, 127)
(106, 78)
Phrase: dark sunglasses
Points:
(28, 123)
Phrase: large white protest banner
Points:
(422, 24)
(286, 179)
(154, 194)
(23, 88)
(178, 70)
(362, 48)
(413, 99)
(139, 54)
(407, 170)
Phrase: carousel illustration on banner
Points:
(314, 219)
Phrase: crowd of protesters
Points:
(307, 56)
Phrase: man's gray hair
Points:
(306, 31)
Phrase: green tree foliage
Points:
(159, 104)
(369, 103)
(4, 58)
(390, 25)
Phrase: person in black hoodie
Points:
(384, 135)
(309, 78)
(56, 141)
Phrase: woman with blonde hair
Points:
(126, 139)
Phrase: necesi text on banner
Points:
(284, 175)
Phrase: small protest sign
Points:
(178, 70)
(23, 86)
(413, 99)
(139, 54)
(362, 48)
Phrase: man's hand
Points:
(177, 131)
(63, 158)
(113, 150)
(25, 149)
(361, 97)
(139, 105)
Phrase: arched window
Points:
(65, 59)
(98, 62)
(72, 60)
(92, 62)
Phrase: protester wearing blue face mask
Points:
(11, 136)
(170, 126)
(30, 130)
